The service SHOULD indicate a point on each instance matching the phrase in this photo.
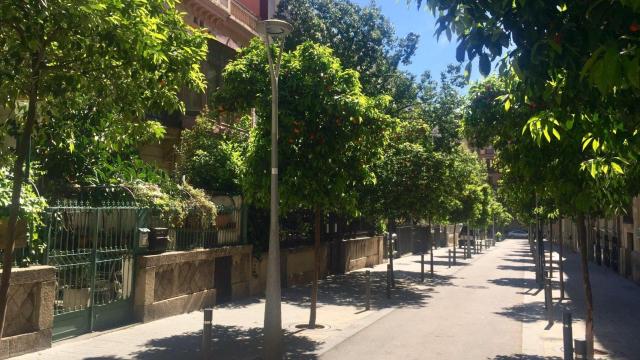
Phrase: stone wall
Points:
(635, 266)
(29, 311)
(179, 282)
(296, 266)
(360, 253)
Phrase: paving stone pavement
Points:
(487, 307)
(237, 330)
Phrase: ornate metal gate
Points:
(93, 251)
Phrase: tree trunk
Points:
(18, 179)
(429, 237)
(561, 264)
(582, 241)
(541, 258)
(455, 242)
(316, 269)
(550, 249)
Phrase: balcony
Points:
(231, 14)
(243, 15)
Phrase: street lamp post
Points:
(274, 32)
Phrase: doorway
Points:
(222, 279)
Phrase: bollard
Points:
(455, 250)
(580, 347)
(388, 281)
(449, 258)
(548, 300)
(431, 256)
(567, 335)
(368, 290)
(422, 267)
(394, 239)
(206, 333)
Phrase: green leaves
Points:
(330, 132)
(485, 64)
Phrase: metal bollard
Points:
(368, 290)
(389, 281)
(422, 267)
(567, 335)
(580, 349)
(449, 258)
(206, 333)
(394, 239)
(431, 265)
(548, 300)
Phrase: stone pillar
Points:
(29, 322)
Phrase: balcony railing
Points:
(222, 3)
(242, 14)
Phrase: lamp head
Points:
(275, 28)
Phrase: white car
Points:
(517, 234)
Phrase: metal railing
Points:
(226, 232)
(243, 15)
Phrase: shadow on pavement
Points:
(518, 259)
(515, 267)
(535, 311)
(238, 304)
(516, 282)
(525, 357)
(349, 290)
(229, 342)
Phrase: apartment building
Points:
(233, 23)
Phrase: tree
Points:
(406, 176)
(550, 171)
(465, 177)
(81, 146)
(361, 37)
(364, 40)
(211, 159)
(578, 63)
(441, 106)
(330, 132)
(130, 57)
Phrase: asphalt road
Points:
(477, 316)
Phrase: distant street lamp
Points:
(274, 31)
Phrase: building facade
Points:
(233, 23)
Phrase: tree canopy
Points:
(330, 132)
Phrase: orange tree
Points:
(552, 171)
(130, 57)
(330, 133)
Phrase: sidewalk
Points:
(238, 326)
(616, 315)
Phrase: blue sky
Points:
(432, 54)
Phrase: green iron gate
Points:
(93, 251)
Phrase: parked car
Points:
(517, 234)
(463, 237)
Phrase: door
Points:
(222, 279)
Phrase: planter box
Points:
(21, 233)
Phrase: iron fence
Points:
(227, 231)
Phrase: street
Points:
(476, 316)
